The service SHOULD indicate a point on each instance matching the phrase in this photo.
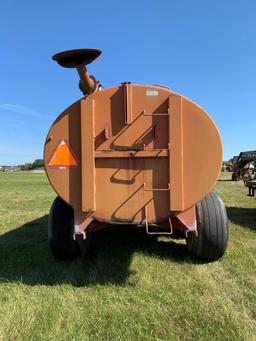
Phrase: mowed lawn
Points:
(131, 287)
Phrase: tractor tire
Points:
(234, 177)
(212, 227)
(60, 231)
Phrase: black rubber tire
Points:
(212, 227)
(60, 230)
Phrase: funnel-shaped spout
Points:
(78, 59)
(75, 58)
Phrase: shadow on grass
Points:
(25, 256)
(245, 217)
(225, 180)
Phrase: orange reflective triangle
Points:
(63, 156)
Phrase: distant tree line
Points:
(32, 165)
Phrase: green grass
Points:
(131, 287)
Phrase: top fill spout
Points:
(78, 59)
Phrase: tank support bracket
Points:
(87, 156)
(157, 232)
(127, 91)
(188, 219)
(176, 155)
(82, 221)
(78, 233)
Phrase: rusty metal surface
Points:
(131, 138)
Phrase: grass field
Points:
(131, 287)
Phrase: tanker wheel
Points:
(60, 232)
(212, 227)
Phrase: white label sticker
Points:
(151, 93)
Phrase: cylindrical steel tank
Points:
(133, 154)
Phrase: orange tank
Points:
(134, 154)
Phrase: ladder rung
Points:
(155, 189)
(158, 114)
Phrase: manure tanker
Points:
(137, 155)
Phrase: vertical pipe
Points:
(87, 83)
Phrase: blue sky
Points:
(203, 49)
